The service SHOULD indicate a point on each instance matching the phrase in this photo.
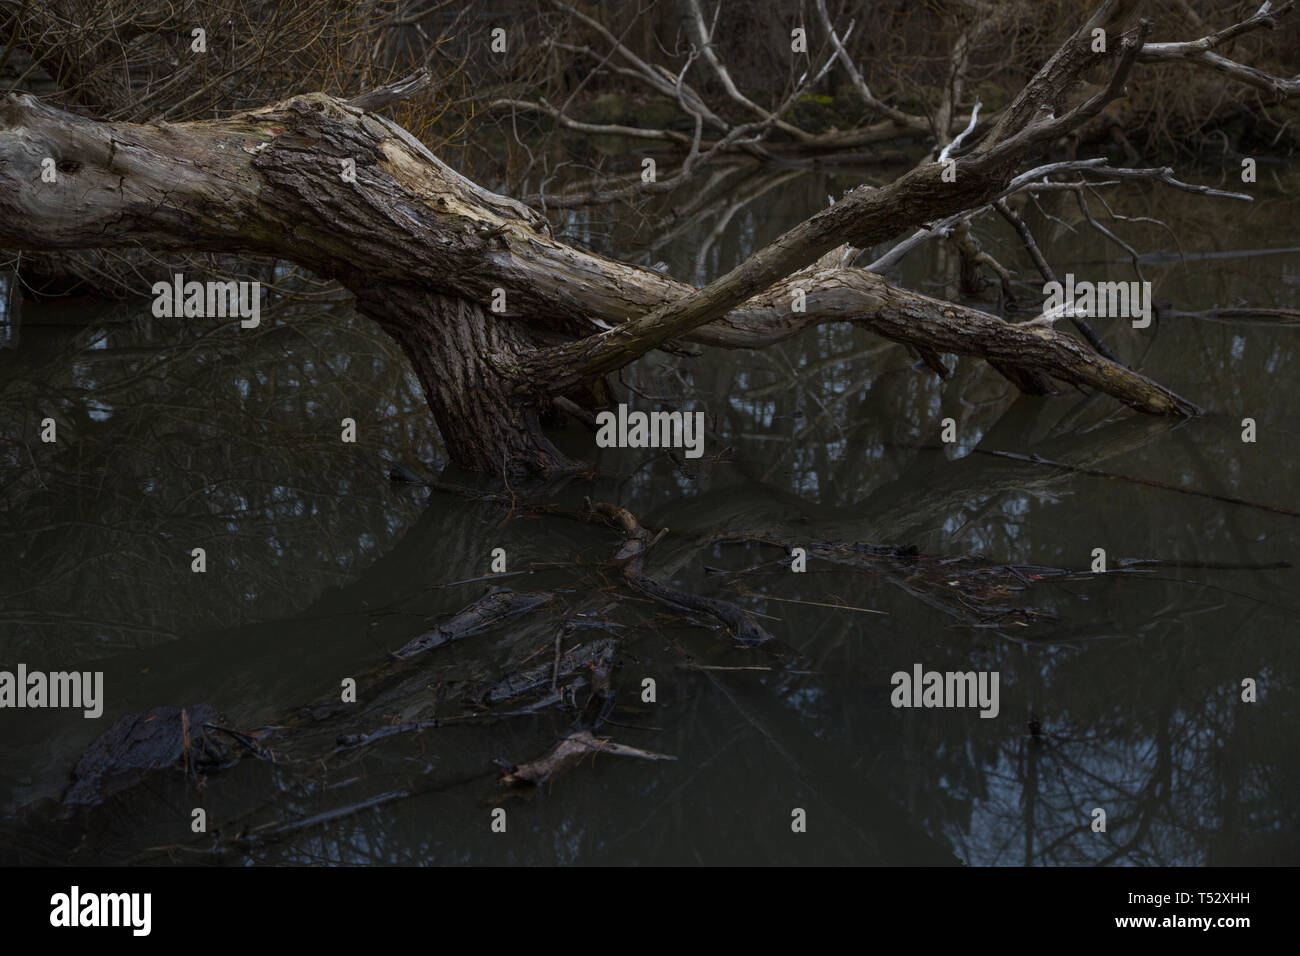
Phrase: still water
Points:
(1119, 691)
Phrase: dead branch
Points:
(569, 752)
(1200, 53)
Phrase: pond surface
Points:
(1119, 691)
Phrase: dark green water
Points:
(175, 434)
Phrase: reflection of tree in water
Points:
(1202, 784)
(1123, 695)
(176, 434)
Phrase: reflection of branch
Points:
(1149, 482)
(734, 203)
(1286, 317)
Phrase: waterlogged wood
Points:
(136, 744)
(392, 677)
(569, 752)
(742, 625)
(530, 679)
(485, 613)
(972, 589)
(511, 686)
(580, 741)
(739, 623)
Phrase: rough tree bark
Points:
(423, 248)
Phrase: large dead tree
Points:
(425, 250)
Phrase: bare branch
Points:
(646, 72)
(695, 18)
(859, 84)
(956, 143)
(382, 96)
(596, 129)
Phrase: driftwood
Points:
(489, 611)
(580, 741)
(739, 622)
(163, 738)
(569, 752)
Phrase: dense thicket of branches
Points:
(611, 66)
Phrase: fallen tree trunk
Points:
(498, 318)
